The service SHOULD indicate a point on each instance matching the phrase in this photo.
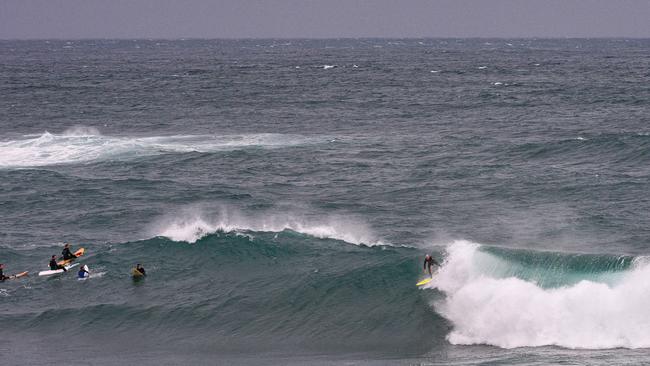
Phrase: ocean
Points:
(282, 194)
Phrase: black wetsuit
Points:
(54, 266)
(429, 262)
(141, 270)
(2, 276)
(67, 254)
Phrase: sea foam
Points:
(85, 144)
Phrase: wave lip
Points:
(191, 227)
(85, 144)
(511, 312)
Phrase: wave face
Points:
(510, 298)
(254, 291)
(86, 145)
(246, 291)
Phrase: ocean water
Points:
(282, 194)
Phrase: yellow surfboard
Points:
(136, 274)
(424, 282)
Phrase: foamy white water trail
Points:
(83, 145)
(510, 312)
(192, 226)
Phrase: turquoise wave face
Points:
(285, 290)
(288, 290)
(553, 269)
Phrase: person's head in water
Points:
(67, 245)
(54, 256)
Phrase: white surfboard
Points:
(56, 271)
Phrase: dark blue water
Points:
(282, 193)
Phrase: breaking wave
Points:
(511, 298)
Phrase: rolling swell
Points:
(235, 291)
(244, 290)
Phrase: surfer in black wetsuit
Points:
(54, 266)
(2, 275)
(428, 263)
(66, 252)
(140, 269)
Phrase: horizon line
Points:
(324, 38)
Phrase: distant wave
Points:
(85, 144)
(592, 302)
(191, 226)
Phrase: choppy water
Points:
(282, 194)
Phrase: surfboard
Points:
(424, 282)
(78, 253)
(17, 275)
(136, 274)
(56, 271)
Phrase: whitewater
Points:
(83, 145)
(605, 309)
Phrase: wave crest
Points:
(192, 226)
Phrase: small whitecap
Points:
(434, 71)
(327, 67)
(497, 83)
(355, 66)
(482, 67)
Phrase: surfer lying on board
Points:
(428, 263)
(54, 266)
(67, 254)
